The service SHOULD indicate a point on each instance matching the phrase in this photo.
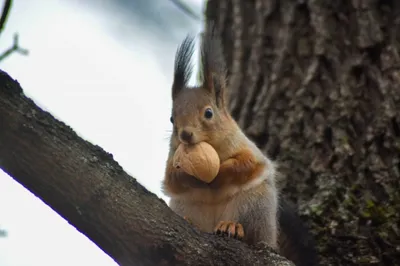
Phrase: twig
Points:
(14, 48)
(4, 14)
(3, 233)
(182, 6)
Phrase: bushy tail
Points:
(295, 241)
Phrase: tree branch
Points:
(83, 183)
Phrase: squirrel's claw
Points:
(231, 229)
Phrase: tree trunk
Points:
(83, 184)
(316, 84)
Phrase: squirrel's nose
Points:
(186, 136)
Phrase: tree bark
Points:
(83, 184)
(316, 84)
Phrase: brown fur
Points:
(243, 196)
(242, 201)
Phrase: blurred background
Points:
(105, 69)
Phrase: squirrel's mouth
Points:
(190, 137)
(191, 141)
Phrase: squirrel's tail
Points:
(295, 241)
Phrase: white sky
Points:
(114, 95)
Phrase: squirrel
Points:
(243, 201)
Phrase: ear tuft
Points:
(213, 67)
(183, 67)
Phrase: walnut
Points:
(200, 160)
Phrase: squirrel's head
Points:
(200, 113)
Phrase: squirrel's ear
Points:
(183, 66)
(213, 72)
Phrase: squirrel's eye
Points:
(208, 113)
(171, 119)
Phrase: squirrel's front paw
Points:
(231, 229)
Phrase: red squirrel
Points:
(243, 200)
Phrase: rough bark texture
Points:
(316, 84)
(83, 183)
